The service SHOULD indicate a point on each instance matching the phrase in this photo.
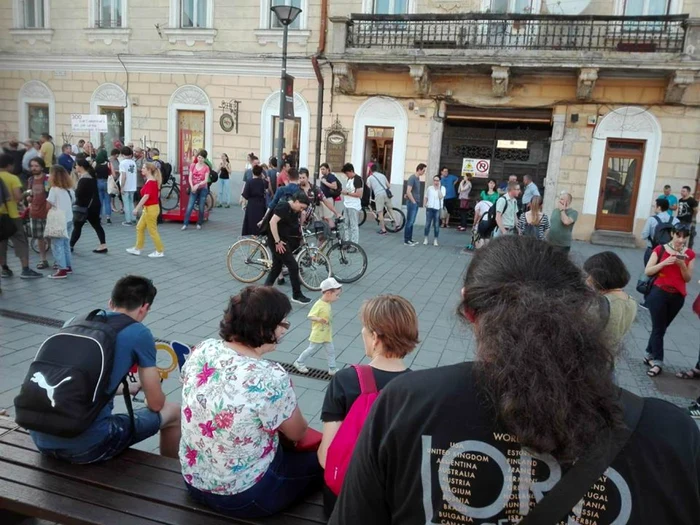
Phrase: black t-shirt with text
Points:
(288, 226)
(431, 451)
(686, 209)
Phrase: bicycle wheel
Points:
(248, 260)
(34, 244)
(209, 203)
(314, 267)
(117, 204)
(169, 197)
(363, 217)
(394, 221)
(348, 262)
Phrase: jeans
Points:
(105, 199)
(60, 248)
(315, 347)
(663, 308)
(288, 478)
(284, 259)
(128, 200)
(197, 196)
(411, 214)
(149, 220)
(225, 192)
(432, 216)
(352, 228)
(119, 438)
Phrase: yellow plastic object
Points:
(165, 347)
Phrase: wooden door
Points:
(619, 185)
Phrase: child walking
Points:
(321, 327)
(151, 208)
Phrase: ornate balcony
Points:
(644, 34)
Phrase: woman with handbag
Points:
(433, 204)
(465, 188)
(59, 221)
(87, 206)
(672, 266)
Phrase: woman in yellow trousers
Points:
(151, 208)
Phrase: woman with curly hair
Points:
(491, 441)
(235, 404)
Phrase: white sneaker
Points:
(425, 241)
(156, 254)
(199, 227)
(133, 251)
(184, 227)
(435, 243)
(301, 367)
(332, 371)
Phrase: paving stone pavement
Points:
(194, 286)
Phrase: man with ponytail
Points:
(534, 431)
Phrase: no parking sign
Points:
(482, 168)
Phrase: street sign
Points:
(482, 168)
(88, 122)
(468, 167)
(289, 96)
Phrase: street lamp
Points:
(286, 15)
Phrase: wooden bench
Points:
(135, 488)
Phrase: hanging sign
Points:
(88, 123)
(468, 167)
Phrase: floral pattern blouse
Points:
(232, 406)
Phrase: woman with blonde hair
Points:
(149, 218)
(61, 197)
(534, 222)
(389, 333)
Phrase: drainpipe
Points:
(319, 77)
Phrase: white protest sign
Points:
(88, 122)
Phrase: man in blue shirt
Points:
(672, 200)
(66, 160)
(110, 434)
(530, 191)
(449, 182)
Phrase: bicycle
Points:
(249, 259)
(394, 219)
(170, 197)
(31, 240)
(348, 259)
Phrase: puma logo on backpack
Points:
(79, 360)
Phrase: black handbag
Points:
(385, 188)
(645, 284)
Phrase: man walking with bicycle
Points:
(284, 237)
(382, 195)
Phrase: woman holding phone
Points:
(672, 266)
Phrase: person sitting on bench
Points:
(109, 434)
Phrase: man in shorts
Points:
(110, 434)
(38, 185)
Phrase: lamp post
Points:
(286, 15)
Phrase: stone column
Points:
(556, 147)
(433, 161)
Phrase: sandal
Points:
(654, 371)
(693, 373)
(647, 361)
(43, 265)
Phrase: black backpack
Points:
(334, 193)
(166, 170)
(486, 227)
(663, 233)
(66, 385)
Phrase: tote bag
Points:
(56, 224)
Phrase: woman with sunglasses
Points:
(671, 266)
(235, 404)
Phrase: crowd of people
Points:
(391, 448)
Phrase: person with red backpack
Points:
(389, 333)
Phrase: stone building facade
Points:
(566, 92)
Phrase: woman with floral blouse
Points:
(234, 405)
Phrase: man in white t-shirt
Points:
(352, 199)
(127, 181)
(379, 184)
(507, 210)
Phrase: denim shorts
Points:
(146, 424)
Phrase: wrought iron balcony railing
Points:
(641, 34)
